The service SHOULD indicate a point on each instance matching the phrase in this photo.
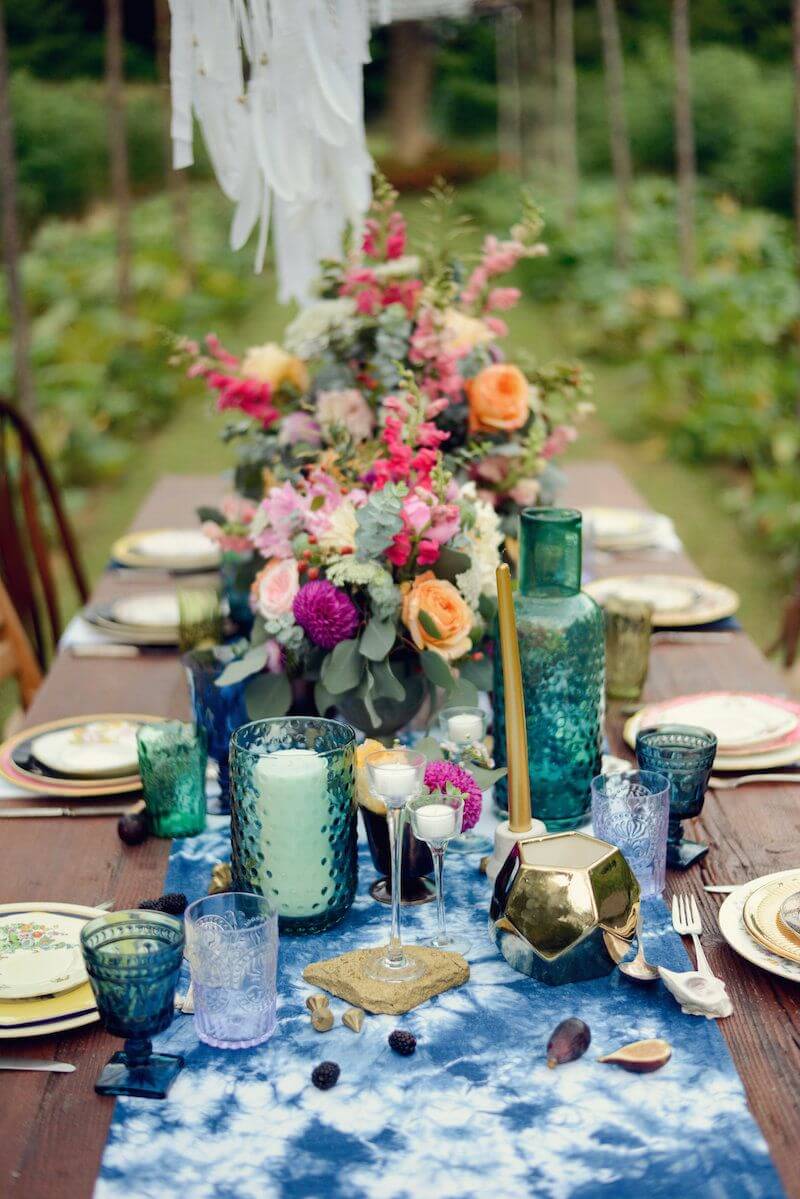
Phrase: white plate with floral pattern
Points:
(39, 954)
(734, 930)
(99, 749)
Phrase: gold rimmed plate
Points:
(174, 550)
(677, 601)
(761, 915)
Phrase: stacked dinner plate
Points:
(81, 757)
(677, 602)
(43, 982)
(754, 732)
(175, 550)
(761, 921)
(620, 530)
(150, 619)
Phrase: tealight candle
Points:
(436, 822)
(465, 727)
(395, 782)
(294, 812)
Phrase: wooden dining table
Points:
(53, 1127)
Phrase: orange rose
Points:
(498, 399)
(447, 616)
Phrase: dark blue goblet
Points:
(685, 754)
(133, 960)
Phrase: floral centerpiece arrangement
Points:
(385, 314)
(377, 578)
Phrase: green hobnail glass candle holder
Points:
(172, 763)
(562, 653)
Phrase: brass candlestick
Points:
(520, 824)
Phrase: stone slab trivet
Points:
(345, 976)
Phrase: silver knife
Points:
(110, 810)
(722, 888)
(27, 1063)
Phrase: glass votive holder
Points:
(631, 811)
(463, 726)
(218, 711)
(293, 818)
(172, 764)
(133, 960)
(685, 754)
(199, 619)
(232, 947)
(437, 819)
(628, 625)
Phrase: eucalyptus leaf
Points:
(343, 668)
(387, 686)
(377, 639)
(259, 633)
(451, 563)
(364, 693)
(487, 778)
(253, 661)
(436, 669)
(463, 694)
(322, 698)
(430, 747)
(429, 625)
(268, 695)
(213, 514)
(480, 673)
(487, 606)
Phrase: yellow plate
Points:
(125, 552)
(760, 915)
(705, 602)
(57, 1013)
(74, 788)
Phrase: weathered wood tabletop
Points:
(53, 1127)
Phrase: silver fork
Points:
(686, 921)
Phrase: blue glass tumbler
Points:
(685, 754)
(133, 960)
(218, 711)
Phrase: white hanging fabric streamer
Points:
(285, 134)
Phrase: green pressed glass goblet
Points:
(685, 754)
(133, 960)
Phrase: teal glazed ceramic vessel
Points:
(562, 651)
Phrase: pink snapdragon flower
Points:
(281, 516)
(500, 299)
(561, 437)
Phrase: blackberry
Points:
(174, 904)
(132, 828)
(402, 1042)
(325, 1075)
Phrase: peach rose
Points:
(499, 398)
(275, 587)
(446, 610)
(271, 364)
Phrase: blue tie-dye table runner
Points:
(474, 1114)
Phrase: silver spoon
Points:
(639, 968)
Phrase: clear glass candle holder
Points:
(685, 754)
(133, 960)
(631, 811)
(628, 625)
(232, 947)
(293, 818)
(395, 777)
(172, 763)
(465, 728)
(437, 819)
(218, 711)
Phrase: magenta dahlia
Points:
(439, 774)
(326, 613)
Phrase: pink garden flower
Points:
(274, 588)
(561, 437)
(349, 410)
(437, 777)
(326, 613)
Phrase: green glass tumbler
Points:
(562, 653)
(172, 762)
(200, 619)
(628, 625)
(133, 960)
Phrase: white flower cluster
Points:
(308, 334)
(485, 538)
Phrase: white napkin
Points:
(81, 632)
(697, 994)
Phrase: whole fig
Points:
(568, 1040)
(133, 828)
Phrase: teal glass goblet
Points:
(685, 754)
(133, 960)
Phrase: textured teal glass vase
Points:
(561, 644)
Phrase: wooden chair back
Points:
(33, 524)
(17, 659)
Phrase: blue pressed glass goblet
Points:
(133, 960)
(685, 754)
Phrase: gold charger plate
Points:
(705, 601)
(126, 552)
(75, 788)
(760, 915)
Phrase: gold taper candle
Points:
(519, 787)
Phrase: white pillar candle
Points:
(395, 782)
(295, 840)
(466, 726)
(435, 821)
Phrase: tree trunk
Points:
(617, 122)
(410, 80)
(177, 183)
(566, 106)
(120, 183)
(684, 135)
(509, 107)
(20, 329)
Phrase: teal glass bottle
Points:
(561, 644)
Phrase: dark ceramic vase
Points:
(394, 714)
(415, 885)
